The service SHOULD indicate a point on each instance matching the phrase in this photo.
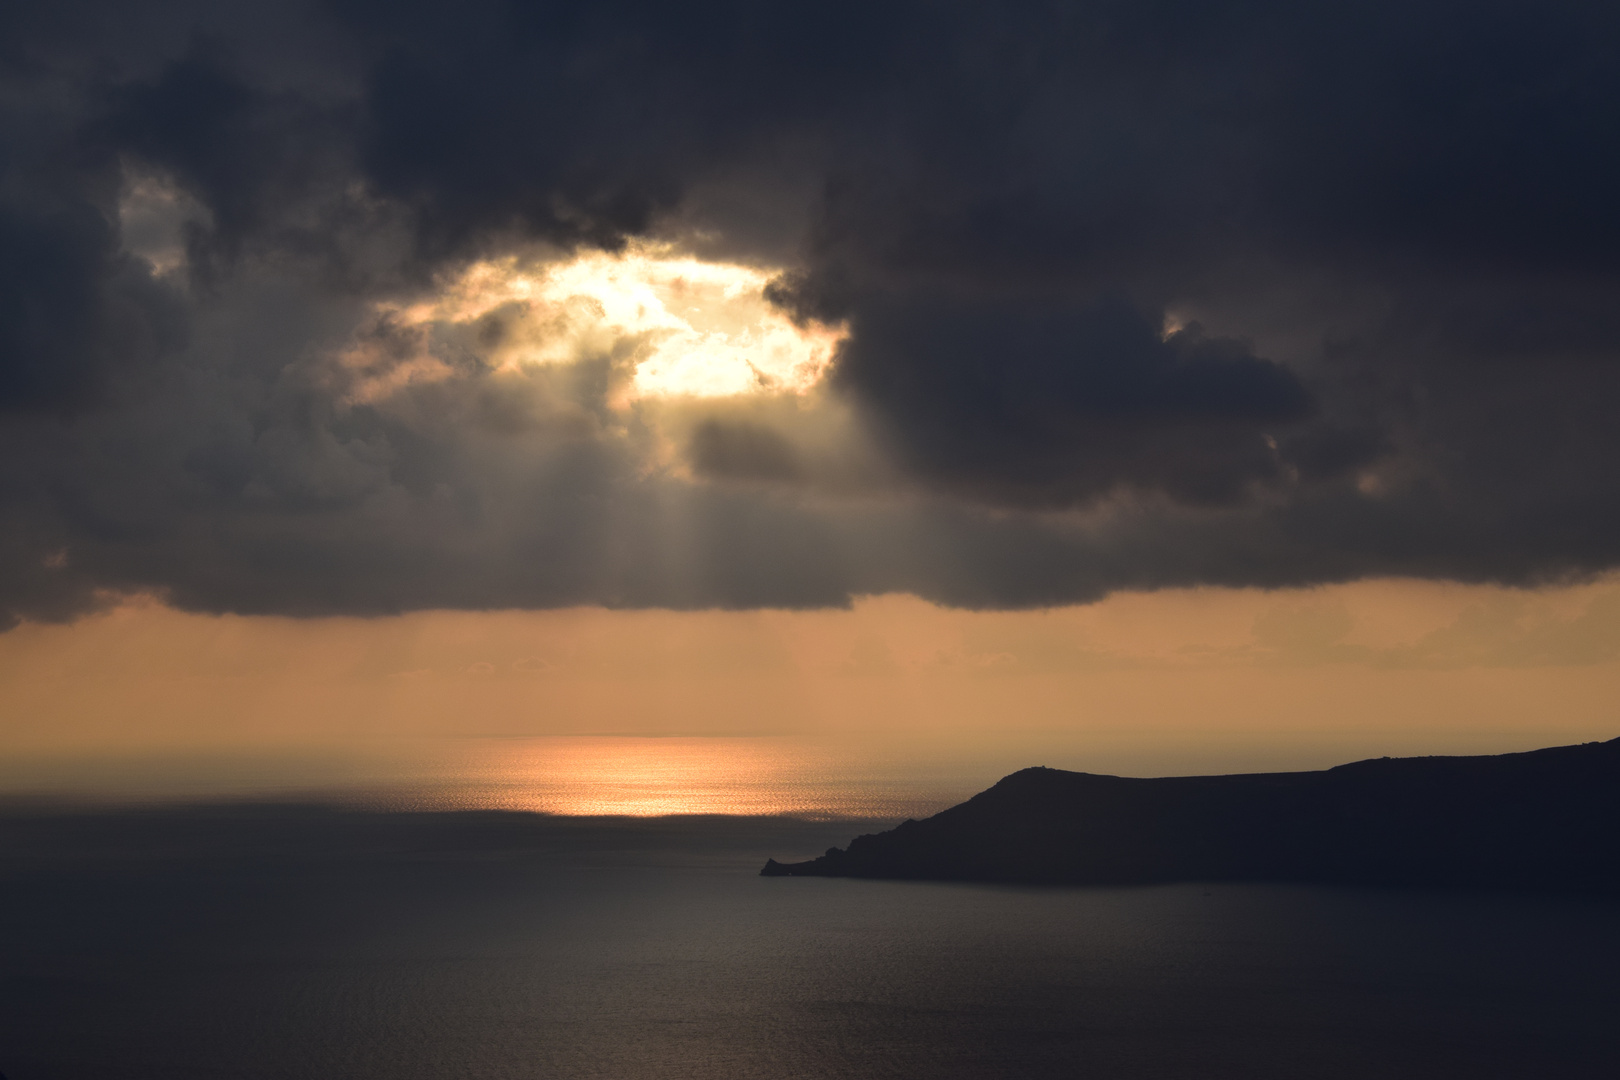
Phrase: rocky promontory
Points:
(1545, 820)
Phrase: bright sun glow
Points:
(690, 328)
(586, 776)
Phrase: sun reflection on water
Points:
(645, 777)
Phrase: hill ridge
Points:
(1538, 819)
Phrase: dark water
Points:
(288, 943)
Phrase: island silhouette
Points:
(1543, 820)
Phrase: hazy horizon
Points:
(144, 697)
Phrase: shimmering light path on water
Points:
(640, 777)
(301, 943)
(567, 775)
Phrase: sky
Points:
(1150, 386)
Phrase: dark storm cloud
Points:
(742, 451)
(250, 156)
(1139, 294)
(1064, 406)
(72, 305)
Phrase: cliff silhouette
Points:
(1544, 820)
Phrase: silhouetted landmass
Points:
(1545, 820)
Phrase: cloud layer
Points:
(1131, 295)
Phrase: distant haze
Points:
(1173, 682)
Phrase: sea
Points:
(386, 935)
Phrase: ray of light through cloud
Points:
(688, 327)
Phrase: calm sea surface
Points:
(290, 942)
(568, 775)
